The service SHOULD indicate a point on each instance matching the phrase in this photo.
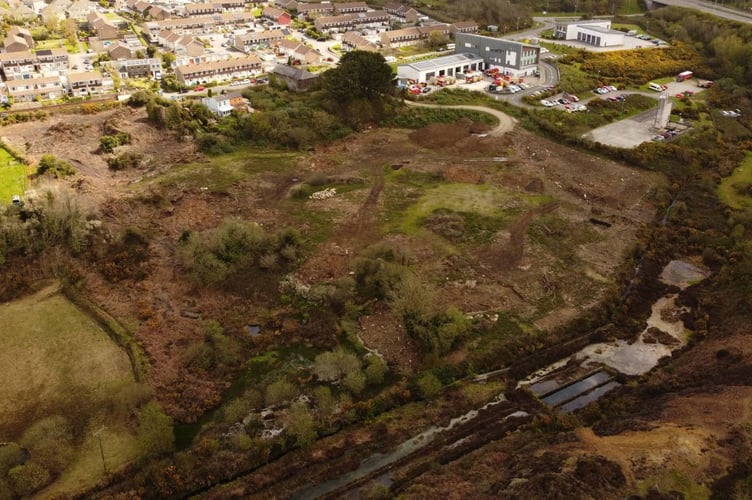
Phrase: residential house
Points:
(313, 10)
(104, 29)
(119, 50)
(198, 25)
(52, 61)
(53, 13)
(346, 22)
(18, 39)
(298, 52)
(180, 45)
(157, 13)
(296, 79)
(90, 82)
(202, 9)
(286, 4)
(34, 89)
(231, 5)
(350, 7)
(79, 9)
(279, 16)
(411, 36)
(353, 41)
(136, 68)
(224, 104)
(253, 40)
(241, 67)
(402, 13)
(463, 27)
(18, 65)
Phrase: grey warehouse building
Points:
(453, 65)
(512, 58)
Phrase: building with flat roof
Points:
(453, 65)
(512, 58)
(596, 32)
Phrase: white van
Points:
(655, 86)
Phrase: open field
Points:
(505, 218)
(736, 189)
(51, 350)
(12, 177)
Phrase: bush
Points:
(155, 432)
(300, 425)
(49, 165)
(375, 370)
(332, 366)
(50, 443)
(28, 478)
(280, 391)
(428, 385)
(123, 161)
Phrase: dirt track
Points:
(506, 122)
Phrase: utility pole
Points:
(98, 434)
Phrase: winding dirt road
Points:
(506, 122)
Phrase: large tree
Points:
(359, 87)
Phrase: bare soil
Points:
(166, 311)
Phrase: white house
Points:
(596, 32)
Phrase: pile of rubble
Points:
(323, 195)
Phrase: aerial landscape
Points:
(459, 248)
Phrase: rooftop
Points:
(441, 62)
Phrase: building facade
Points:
(512, 58)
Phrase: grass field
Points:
(222, 171)
(734, 190)
(119, 447)
(55, 357)
(50, 348)
(12, 177)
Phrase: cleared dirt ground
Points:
(537, 255)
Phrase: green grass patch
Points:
(493, 204)
(219, 173)
(561, 237)
(12, 177)
(414, 118)
(50, 347)
(119, 447)
(736, 189)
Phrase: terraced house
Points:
(411, 36)
(347, 22)
(241, 67)
(89, 82)
(34, 89)
(253, 40)
(313, 10)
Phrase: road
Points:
(506, 122)
(711, 8)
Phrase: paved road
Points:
(711, 8)
(506, 122)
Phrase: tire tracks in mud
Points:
(511, 254)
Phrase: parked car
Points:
(199, 88)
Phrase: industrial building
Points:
(453, 65)
(594, 32)
(512, 58)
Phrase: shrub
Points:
(375, 370)
(280, 391)
(124, 160)
(355, 382)
(28, 478)
(155, 433)
(300, 425)
(332, 366)
(49, 165)
(428, 385)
